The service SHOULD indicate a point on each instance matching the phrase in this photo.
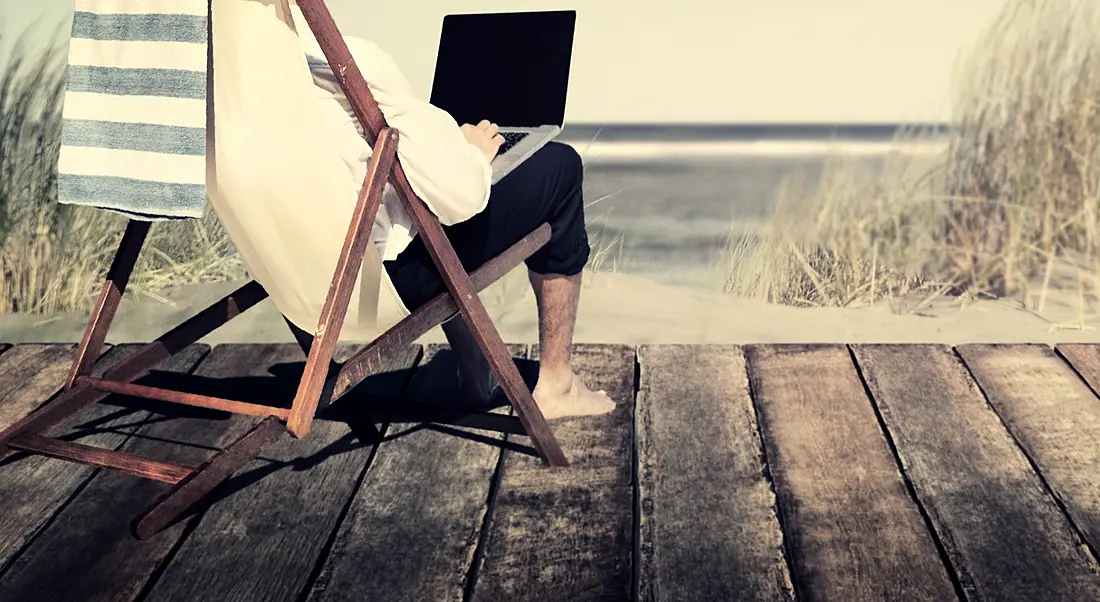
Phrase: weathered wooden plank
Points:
(1085, 359)
(853, 531)
(412, 529)
(999, 526)
(90, 542)
(1053, 415)
(265, 535)
(29, 376)
(566, 534)
(32, 487)
(708, 525)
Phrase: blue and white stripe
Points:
(325, 78)
(134, 122)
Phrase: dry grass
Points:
(1010, 203)
(54, 257)
(606, 250)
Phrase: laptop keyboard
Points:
(511, 139)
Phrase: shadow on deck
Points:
(768, 472)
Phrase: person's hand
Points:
(485, 136)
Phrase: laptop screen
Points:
(509, 68)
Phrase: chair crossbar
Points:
(187, 399)
(124, 462)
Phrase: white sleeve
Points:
(451, 175)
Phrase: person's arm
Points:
(450, 174)
(445, 169)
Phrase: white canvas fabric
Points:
(275, 174)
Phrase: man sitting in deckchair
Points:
(448, 167)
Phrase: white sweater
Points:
(451, 175)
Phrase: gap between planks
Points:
(33, 487)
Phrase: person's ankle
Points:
(556, 378)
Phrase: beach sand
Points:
(627, 309)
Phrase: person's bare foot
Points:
(567, 396)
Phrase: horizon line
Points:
(689, 124)
(742, 130)
(704, 149)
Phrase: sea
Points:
(662, 201)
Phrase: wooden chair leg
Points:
(118, 276)
(206, 477)
(315, 375)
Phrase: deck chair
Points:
(323, 380)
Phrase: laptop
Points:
(511, 69)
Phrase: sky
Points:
(702, 61)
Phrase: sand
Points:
(627, 309)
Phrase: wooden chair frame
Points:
(323, 381)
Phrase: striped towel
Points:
(133, 133)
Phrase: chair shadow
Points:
(129, 415)
(429, 401)
(432, 401)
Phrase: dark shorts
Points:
(546, 188)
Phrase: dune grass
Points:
(1008, 208)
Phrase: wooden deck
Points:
(823, 472)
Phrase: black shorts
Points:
(546, 188)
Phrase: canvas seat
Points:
(276, 177)
(274, 180)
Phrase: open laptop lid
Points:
(509, 68)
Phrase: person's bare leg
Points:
(560, 392)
